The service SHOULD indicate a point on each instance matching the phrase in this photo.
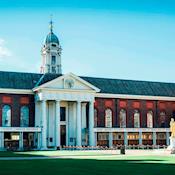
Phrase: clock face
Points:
(69, 83)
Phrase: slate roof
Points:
(132, 87)
(23, 80)
(20, 80)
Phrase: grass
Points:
(52, 153)
(89, 165)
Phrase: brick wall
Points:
(143, 106)
(16, 101)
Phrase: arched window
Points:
(122, 118)
(108, 118)
(149, 119)
(136, 119)
(6, 115)
(162, 119)
(95, 117)
(24, 118)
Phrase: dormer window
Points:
(53, 61)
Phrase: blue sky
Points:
(129, 39)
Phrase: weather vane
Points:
(51, 24)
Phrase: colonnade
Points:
(44, 128)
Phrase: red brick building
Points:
(49, 110)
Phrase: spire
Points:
(51, 24)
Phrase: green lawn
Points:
(93, 164)
(52, 153)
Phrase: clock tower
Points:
(51, 53)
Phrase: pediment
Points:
(69, 82)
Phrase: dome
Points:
(51, 38)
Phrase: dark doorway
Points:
(63, 135)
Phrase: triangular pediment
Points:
(69, 82)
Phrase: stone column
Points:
(44, 126)
(38, 140)
(140, 137)
(91, 124)
(57, 124)
(78, 124)
(110, 140)
(84, 124)
(83, 114)
(95, 141)
(21, 145)
(125, 138)
(1, 140)
(154, 138)
(167, 138)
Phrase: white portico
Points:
(65, 112)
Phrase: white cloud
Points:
(4, 51)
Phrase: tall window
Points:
(6, 115)
(24, 118)
(122, 118)
(149, 119)
(108, 118)
(53, 69)
(162, 119)
(95, 117)
(53, 61)
(136, 119)
(62, 114)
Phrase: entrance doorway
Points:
(63, 135)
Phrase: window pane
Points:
(122, 118)
(136, 119)
(150, 119)
(6, 115)
(24, 119)
(63, 114)
(53, 61)
(162, 119)
(95, 118)
(108, 118)
(53, 70)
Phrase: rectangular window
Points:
(53, 70)
(51, 139)
(53, 61)
(62, 114)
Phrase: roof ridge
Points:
(39, 81)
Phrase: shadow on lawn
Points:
(20, 154)
(129, 166)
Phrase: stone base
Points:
(171, 147)
(43, 148)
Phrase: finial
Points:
(51, 24)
